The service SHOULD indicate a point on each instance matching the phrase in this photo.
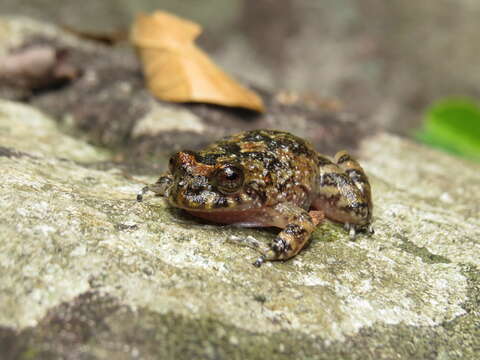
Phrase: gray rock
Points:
(89, 272)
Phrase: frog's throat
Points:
(251, 217)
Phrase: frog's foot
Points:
(370, 230)
(297, 227)
(278, 250)
(286, 245)
(253, 243)
(353, 230)
(259, 261)
(249, 241)
(142, 192)
(161, 187)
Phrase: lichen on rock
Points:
(67, 229)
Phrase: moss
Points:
(472, 304)
(328, 232)
(421, 252)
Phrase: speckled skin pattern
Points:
(269, 178)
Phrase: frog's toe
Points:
(370, 230)
(352, 232)
(249, 241)
(142, 192)
(259, 261)
(268, 253)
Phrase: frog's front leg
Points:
(161, 187)
(297, 227)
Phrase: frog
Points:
(268, 178)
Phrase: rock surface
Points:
(87, 272)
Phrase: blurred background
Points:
(384, 60)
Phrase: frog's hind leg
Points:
(297, 226)
(356, 173)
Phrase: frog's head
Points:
(215, 185)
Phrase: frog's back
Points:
(257, 144)
(285, 163)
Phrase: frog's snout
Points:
(198, 183)
(193, 184)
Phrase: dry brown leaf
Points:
(177, 70)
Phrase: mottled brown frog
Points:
(268, 178)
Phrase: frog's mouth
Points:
(209, 201)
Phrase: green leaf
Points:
(453, 125)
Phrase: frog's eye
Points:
(229, 178)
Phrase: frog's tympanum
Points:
(268, 178)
